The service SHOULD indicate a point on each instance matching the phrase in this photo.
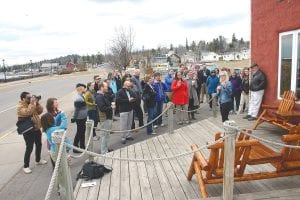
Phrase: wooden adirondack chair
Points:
(281, 114)
(247, 152)
(213, 166)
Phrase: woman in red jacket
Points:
(180, 97)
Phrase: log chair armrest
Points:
(199, 157)
(290, 137)
(266, 106)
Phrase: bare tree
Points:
(121, 46)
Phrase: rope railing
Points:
(170, 106)
(244, 131)
(141, 127)
(190, 111)
(106, 156)
(57, 165)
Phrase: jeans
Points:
(150, 118)
(80, 134)
(93, 115)
(236, 98)
(104, 135)
(31, 138)
(192, 107)
(225, 108)
(125, 123)
(157, 112)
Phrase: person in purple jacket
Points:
(236, 83)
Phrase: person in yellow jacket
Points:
(29, 107)
(90, 100)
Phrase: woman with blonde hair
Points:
(224, 91)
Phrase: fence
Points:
(61, 177)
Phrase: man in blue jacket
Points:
(212, 83)
(160, 89)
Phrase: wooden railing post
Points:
(214, 104)
(229, 155)
(64, 179)
(88, 134)
(171, 119)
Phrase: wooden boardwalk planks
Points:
(167, 179)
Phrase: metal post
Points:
(4, 70)
(214, 104)
(88, 134)
(229, 154)
(64, 179)
(170, 119)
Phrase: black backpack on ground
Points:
(93, 170)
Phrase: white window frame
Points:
(295, 50)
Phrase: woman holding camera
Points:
(29, 107)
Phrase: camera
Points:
(38, 97)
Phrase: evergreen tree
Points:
(186, 44)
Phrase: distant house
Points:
(209, 56)
(275, 44)
(49, 67)
(70, 66)
(190, 57)
(242, 55)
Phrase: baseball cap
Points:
(253, 65)
(80, 85)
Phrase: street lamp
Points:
(31, 68)
(4, 70)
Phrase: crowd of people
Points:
(130, 96)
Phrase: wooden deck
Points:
(168, 179)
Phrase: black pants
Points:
(225, 108)
(137, 110)
(93, 115)
(192, 107)
(31, 138)
(237, 99)
(80, 134)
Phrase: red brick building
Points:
(275, 44)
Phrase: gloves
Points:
(73, 120)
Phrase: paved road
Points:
(56, 86)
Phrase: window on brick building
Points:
(289, 62)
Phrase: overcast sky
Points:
(38, 29)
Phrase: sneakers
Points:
(155, 126)
(180, 123)
(162, 125)
(130, 138)
(252, 118)
(41, 162)
(247, 116)
(153, 133)
(96, 137)
(27, 170)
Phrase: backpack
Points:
(92, 170)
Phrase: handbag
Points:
(24, 125)
(92, 170)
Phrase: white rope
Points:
(131, 130)
(262, 139)
(57, 165)
(190, 111)
(106, 156)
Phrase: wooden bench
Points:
(279, 115)
(247, 152)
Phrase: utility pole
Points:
(4, 70)
(31, 68)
